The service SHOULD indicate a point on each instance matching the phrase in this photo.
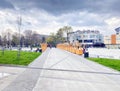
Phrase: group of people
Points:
(49, 45)
(38, 50)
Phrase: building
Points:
(107, 39)
(71, 37)
(118, 39)
(86, 37)
(113, 41)
(117, 30)
(114, 38)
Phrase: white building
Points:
(107, 39)
(86, 37)
(118, 39)
(113, 41)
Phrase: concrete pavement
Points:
(12, 72)
(58, 70)
(27, 80)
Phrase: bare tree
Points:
(36, 39)
(4, 41)
(19, 22)
(9, 37)
(0, 40)
(22, 41)
(28, 36)
(15, 39)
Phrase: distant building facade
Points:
(113, 41)
(114, 38)
(107, 39)
(86, 37)
(117, 30)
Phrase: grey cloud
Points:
(5, 4)
(85, 21)
(63, 6)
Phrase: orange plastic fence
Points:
(70, 48)
(43, 46)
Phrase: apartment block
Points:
(86, 37)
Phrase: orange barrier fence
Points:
(43, 46)
(69, 48)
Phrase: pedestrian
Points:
(83, 50)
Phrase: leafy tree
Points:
(51, 39)
(67, 29)
(59, 35)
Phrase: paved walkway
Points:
(58, 70)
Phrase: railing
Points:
(70, 48)
(43, 46)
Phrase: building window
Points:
(85, 36)
(80, 41)
(92, 36)
(88, 41)
(97, 36)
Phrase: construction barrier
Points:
(70, 48)
(43, 46)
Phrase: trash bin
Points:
(86, 54)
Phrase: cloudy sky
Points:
(46, 16)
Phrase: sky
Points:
(46, 16)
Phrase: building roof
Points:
(117, 29)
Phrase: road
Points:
(58, 70)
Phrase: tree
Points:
(0, 40)
(52, 39)
(31, 38)
(15, 39)
(43, 39)
(59, 35)
(28, 37)
(35, 39)
(4, 41)
(19, 22)
(67, 29)
(22, 41)
(9, 37)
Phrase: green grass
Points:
(112, 63)
(10, 57)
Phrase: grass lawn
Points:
(10, 57)
(112, 63)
